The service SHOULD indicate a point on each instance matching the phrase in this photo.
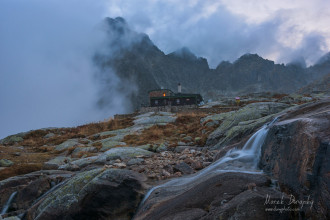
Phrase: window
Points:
(178, 101)
(156, 102)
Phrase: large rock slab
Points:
(122, 153)
(12, 139)
(297, 151)
(151, 118)
(67, 145)
(253, 114)
(96, 194)
(30, 187)
(223, 196)
(6, 163)
(56, 162)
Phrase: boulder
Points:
(109, 143)
(162, 147)
(122, 153)
(135, 161)
(67, 145)
(49, 135)
(6, 163)
(183, 168)
(80, 150)
(78, 164)
(160, 119)
(30, 187)
(296, 152)
(95, 194)
(12, 139)
(56, 162)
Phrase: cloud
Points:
(224, 30)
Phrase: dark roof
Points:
(160, 90)
(178, 95)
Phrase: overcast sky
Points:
(46, 74)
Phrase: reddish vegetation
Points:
(38, 149)
(186, 123)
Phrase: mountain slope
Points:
(140, 64)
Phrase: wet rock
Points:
(12, 218)
(223, 196)
(296, 152)
(183, 168)
(6, 163)
(95, 194)
(30, 187)
(237, 124)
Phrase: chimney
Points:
(179, 88)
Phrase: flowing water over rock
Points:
(8, 203)
(243, 160)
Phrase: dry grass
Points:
(186, 123)
(38, 150)
(279, 95)
(25, 160)
(36, 138)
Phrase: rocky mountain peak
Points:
(324, 59)
(184, 53)
(298, 62)
(117, 24)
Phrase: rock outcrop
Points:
(296, 152)
(224, 196)
(96, 194)
(29, 188)
(235, 125)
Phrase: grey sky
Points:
(46, 74)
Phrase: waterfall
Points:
(8, 203)
(243, 160)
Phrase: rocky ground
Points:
(103, 170)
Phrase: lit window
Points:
(164, 94)
(178, 101)
(156, 102)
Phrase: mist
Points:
(47, 76)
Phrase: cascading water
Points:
(243, 160)
(8, 203)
